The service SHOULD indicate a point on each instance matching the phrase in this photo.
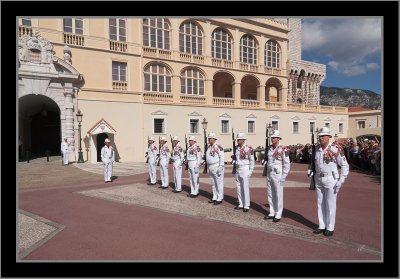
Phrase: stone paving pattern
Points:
(51, 213)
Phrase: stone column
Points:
(236, 92)
(261, 95)
(209, 91)
(68, 127)
(236, 48)
(175, 35)
(289, 91)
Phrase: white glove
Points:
(310, 173)
(220, 170)
(262, 162)
(283, 179)
(250, 173)
(337, 187)
(196, 170)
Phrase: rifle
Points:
(186, 161)
(266, 152)
(311, 166)
(159, 151)
(205, 151)
(172, 151)
(234, 153)
(147, 153)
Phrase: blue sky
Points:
(350, 48)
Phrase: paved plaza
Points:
(69, 213)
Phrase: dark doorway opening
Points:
(45, 134)
(99, 144)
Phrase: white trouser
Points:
(275, 193)
(152, 170)
(164, 172)
(194, 177)
(242, 178)
(217, 182)
(178, 175)
(65, 157)
(326, 201)
(108, 167)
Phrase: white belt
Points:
(324, 174)
(212, 164)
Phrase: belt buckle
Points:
(322, 174)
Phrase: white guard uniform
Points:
(244, 169)
(194, 161)
(215, 164)
(108, 158)
(165, 155)
(328, 182)
(152, 154)
(178, 158)
(277, 169)
(65, 152)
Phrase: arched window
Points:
(272, 54)
(191, 39)
(157, 78)
(248, 50)
(192, 82)
(221, 45)
(156, 33)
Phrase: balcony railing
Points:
(118, 46)
(224, 102)
(155, 97)
(193, 99)
(272, 71)
(152, 52)
(249, 103)
(74, 39)
(185, 57)
(165, 54)
(311, 107)
(24, 30)
(294, 106)
(326, 109)
(198, 59)
(273, 105)
(120, 85)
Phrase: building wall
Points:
(373, 123)
(130, 110)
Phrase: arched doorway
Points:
(99, 144)
(39, 126)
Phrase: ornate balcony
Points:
(193, 99)
(223, 102)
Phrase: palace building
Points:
(131, 78)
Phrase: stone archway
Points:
(43, 75)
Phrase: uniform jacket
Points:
(245, 156)
(165, 153)
(278, 160)
(194, 153)
(177, 153)
(328, 160)
(107, 154)
(152, 151)
(215, 154)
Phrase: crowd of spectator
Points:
(363, 153)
